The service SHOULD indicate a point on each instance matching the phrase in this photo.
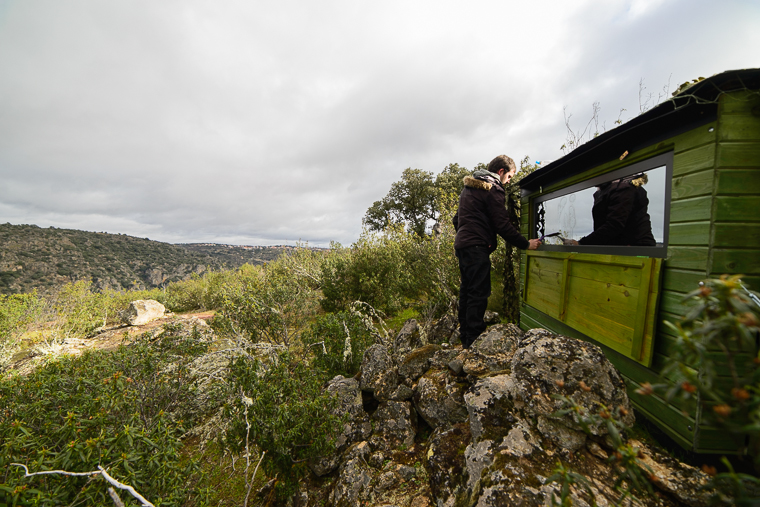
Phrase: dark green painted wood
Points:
(742, 262)
(689, 234)
(687, 257)
(680, 280)
(737, 235)
(737, 155)
(694, 185)
(690, 210)
(739, 128)
(695, 160)
(737, 209)
(673, 302)
(739, 103)
(738, 181)
(694, 138)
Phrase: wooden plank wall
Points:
(714, 229)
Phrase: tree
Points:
(413, 201)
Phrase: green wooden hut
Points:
(700, 151)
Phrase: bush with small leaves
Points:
(338, 342)
(289, 413)
(124, 410)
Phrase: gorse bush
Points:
(289, 414)
(124, 410)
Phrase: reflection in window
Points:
(629, 210)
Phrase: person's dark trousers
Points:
(475, 287)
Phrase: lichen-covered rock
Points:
(440, 332)
(143, 311)
(490, 405)
(544, 366)
(387, 384)
(408, 339)
(439, 399)
(394, 425)
(491, 318)
(375, 364)
(560, 434)
(442, 358)
(478, 456)
(417, 362)
(520, 441)
(445, 465)
(356, 429)
(492, 351)
(354, 477)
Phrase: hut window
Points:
(623, 212)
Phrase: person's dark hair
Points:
(501, 162)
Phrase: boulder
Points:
(491, 409)
(417, 362)
(408, 339)
(445, 465)
(440, 332)
(354, 477)
(439, 399)
(492, 351)
(143, 311)
(545, 366)
(394, 426)
(375, 364)
(491, 318)
(387, 386)
(356, 428)
(442, 358)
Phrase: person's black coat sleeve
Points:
(500, 220)
(455, 221)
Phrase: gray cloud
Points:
(270, 122)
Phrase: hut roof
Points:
(691, 107)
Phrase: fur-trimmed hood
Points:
(482, 180)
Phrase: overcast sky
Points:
(257, 122)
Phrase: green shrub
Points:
(201, 292)
(290, 417)
(338, 342)
(124, 410)
(373, 270)
(270, 303)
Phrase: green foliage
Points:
(289, 414)
(373, 271)
(271, 303)
(413, 201)
(338, 342)
(200, 292)
(17, 313)
(80, 310)
(720, 332)
(124, 410)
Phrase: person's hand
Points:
(534, 244)
(569, 242)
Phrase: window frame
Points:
(661, 250)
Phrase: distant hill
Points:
(32, 257)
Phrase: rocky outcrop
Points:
(356, 427)
(483, 427)
(143, 311)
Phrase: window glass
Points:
(626, 208)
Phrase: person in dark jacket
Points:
(621, 214)
(480, 217)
